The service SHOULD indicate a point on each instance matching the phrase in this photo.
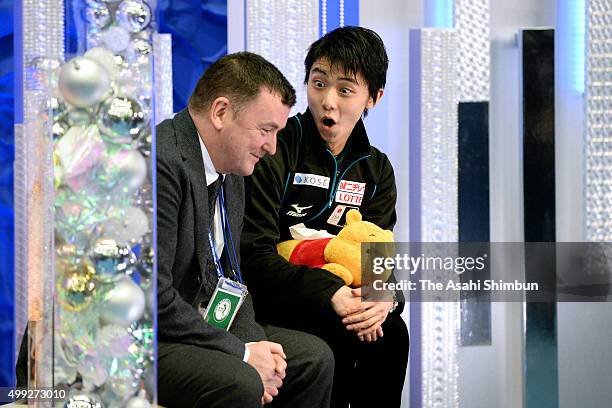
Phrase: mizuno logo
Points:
(298, 211)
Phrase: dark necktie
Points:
(213, 192)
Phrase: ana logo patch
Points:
(313, 180)
(298, 211)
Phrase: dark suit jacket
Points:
(184, 279)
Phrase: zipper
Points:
(335, 185)
(333, 195)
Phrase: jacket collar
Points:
(191, 153)
(357, 144)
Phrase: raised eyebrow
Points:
(317, 70)
(349, 79)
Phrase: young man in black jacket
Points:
(325, 165)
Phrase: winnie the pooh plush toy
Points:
(341, 255)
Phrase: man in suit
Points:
(234, 114)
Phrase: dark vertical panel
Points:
(541, 382)
(416, 374)
(474, 210)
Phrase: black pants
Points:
(366, 374)
(190, 376)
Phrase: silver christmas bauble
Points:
(139, 51)
(97, 15)
(83, 82)
(82, 399)
(111, 259)
(116, 38)
(133, 15)
(105, 58)
(74, 285)
(123, 304)
(138, 402)
(121, 119)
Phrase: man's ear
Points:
(219, 112)
(379, 95)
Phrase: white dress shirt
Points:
(211, 176)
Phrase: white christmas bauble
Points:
(83, 82)
(123, 304)
(133, 15)
(105, 58)
(116, 38)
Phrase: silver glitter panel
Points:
(21, 250)
(162, 49)
(472, 20)
(281, 31)
(598, 157)
(439, 135)
(439, 217)
(43, 35)
(43, 53)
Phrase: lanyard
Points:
(228, 240)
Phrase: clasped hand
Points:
(268, 359)
(365, 318)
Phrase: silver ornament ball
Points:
(116, 38)
(98, 15)
(111, 259)
(121, 119)
(123, 304)
(83, 82)
(105, 58)
(82, 399)
(133, 15)
(139, 51)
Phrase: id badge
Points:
(225, 302)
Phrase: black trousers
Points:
(190, 376)
(366, 374)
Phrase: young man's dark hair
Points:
(356, 50)
(228, 77)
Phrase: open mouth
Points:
(328, 122)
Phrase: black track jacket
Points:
(304, 183)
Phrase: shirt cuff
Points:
(247, 352)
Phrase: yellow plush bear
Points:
(341, 255)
